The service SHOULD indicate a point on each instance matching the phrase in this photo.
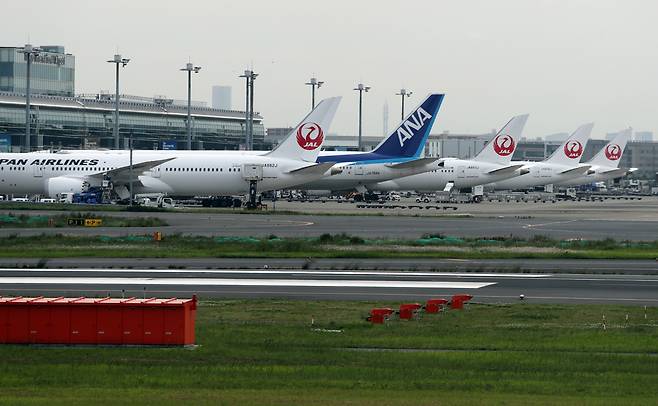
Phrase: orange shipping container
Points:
(111, 321)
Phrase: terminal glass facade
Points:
(52, 72)
(62, 122)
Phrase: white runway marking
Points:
(292, 271)
(241, 282)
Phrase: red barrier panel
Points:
(97, 321)
(435, 305)
(380, 315)
(458, 301)
(409, 310)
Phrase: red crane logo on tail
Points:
(573, 149)
(613, 152)
(310, 136)
(504, 145)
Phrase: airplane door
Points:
(37, 171)
(358, 170)
(460, 171)
(156, 172)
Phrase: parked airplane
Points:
(605, 164)
(190, 173)
(396, 156)
(562, 165)
(491, 164)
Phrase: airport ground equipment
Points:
(435, 305)
(380, 315)
(94, 321)
(457, 301)
(409, 311)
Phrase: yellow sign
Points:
(93, 222)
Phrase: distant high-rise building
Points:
(221, 97)
(557, 137)
(385, 118)
(643, 136)
(610, 136)
(52, 73)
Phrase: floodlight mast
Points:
(314, 82)
(29, 53)
(189, 68)
(118, 60)
(403, 93)
(361, 88)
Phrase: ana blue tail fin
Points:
(408, 139)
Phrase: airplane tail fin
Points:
(571, 150)
(408, 139)
(305, 140)
(611, 153)
(501, 148)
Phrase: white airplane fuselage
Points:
(190, 173)
(540, 174)
(463, 173)
(596, 173)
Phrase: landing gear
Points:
(252, 204)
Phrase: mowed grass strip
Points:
(11, 220)
(324, 246)
(266, 352)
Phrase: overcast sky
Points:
(565, 62)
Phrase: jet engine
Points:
(63, 184)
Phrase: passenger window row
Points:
(201, 170)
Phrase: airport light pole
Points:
(29, 52)
(132, 195)
(403, 93)
(361, 88)
(190, 68)
(313, 83)
(118, 60)
(250, 77)
(250, 146)
(247, 76)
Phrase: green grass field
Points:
(268, 353)
(324, 246)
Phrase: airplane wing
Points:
(414, 163)
(579, 170)
(619, 171)
(122, 174)
(505, 169)
(316, 169)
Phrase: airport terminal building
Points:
(88, 122)
(60, 119)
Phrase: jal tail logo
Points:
(612, 152)
(504, 145)
(310, 136)
(573, 149)
(414, 123)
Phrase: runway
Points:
(333, 285)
